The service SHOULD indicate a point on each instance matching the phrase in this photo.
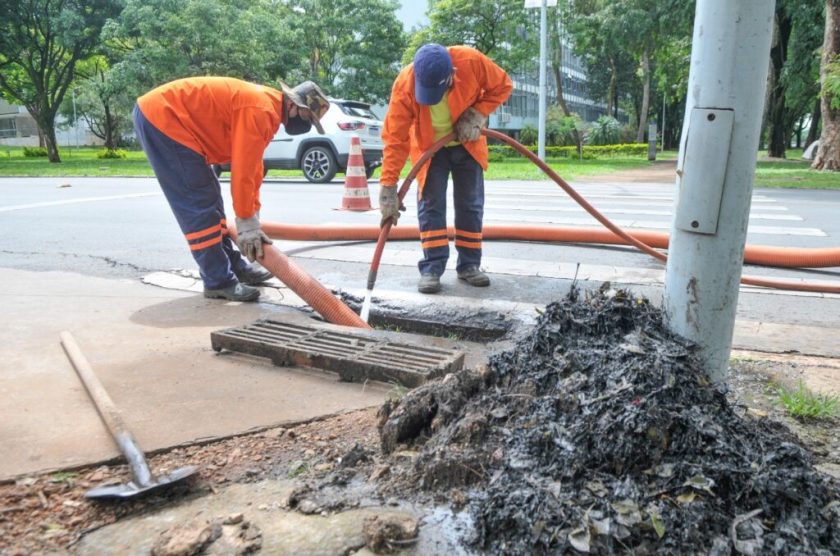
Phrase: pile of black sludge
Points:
(599, 434)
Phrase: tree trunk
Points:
(643, 113)
(815, 124)
(777, 111)
(46, 127)
(828, 153)
(556, 67)
(612, 89)
(800, 126)
(109, 129)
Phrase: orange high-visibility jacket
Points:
(224, 120)
(478, 82)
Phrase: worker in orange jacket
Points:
(187, 125)
(444, 90)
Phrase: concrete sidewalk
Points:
(150, 347)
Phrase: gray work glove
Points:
(469, 125)
(250, 238)
(389, 204)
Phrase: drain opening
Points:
(354, 357)
(451, 330)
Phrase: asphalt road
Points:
(122, 227)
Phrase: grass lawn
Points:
(790, 173)
(569, 169)
(81, 162)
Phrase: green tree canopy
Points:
(41, 42)
(103, 100)
(161, 40)
(502, 29)
(352, 48)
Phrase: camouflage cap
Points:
(309, 96)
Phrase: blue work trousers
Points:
(195, 196)
(468, 195)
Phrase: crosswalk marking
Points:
(626, 210)
(558, 220)
(545, 204)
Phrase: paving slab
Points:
(150, 347)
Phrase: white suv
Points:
(322, 156)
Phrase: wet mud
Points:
(598, 433)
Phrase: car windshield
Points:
(357, 109)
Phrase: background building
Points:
(18, 129)
(523, 106)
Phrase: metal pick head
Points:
(132, 489)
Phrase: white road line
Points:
(627, 223)
(75, 201)
(559, 193)
(568, 201)
(576, 208)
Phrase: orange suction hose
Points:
(762, 255)
(749, 280)
(307, 287)
(644, 241)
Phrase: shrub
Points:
(604, 131)
(112, 153)
(34, 151)
(495, 156)
(628, 133)
(589, 151)
(528, 135)
(559, 128)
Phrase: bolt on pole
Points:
(715, 171)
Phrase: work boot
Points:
(252, 275)
(429, 283)
(237, 292)
(474, 277)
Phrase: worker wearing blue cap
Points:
(444, 90)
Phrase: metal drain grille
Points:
(354, 357)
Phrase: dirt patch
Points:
(48, 513)
(660, 171)
(599, 433)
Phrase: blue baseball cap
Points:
(432, 73)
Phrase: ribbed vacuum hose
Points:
(334, 311)
(749, 280)
(762, 255)
(308, 288)
(644, 241)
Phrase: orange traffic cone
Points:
(356, 195)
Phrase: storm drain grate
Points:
(354, 357)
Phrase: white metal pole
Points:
(716, 166)
(543, 56)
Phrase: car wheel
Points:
(318, 164)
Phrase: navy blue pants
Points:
(468, 195)
(195, 196)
